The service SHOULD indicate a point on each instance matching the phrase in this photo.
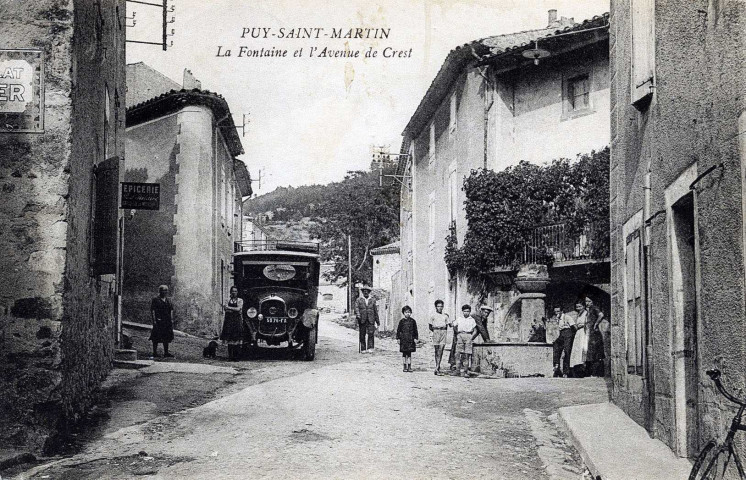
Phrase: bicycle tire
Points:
(703, 454)
(707, 466)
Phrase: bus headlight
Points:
(251, 312)
(293, 312)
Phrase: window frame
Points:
(569, 111)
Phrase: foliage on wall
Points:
(503, 209)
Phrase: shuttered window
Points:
(633, 294)
(643, 49)
(105, 217)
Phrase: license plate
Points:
(275, 320)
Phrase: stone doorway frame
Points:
(674, 193)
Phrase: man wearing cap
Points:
(366, 313)
(480, 318)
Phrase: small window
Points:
(328, 297)
(578, 93)
(452, 123)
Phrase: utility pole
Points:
(349, 275)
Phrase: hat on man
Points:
(485, 307)
(365, 287)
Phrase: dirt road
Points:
(358, 416)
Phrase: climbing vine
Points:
(504, 208)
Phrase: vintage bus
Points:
(278, 282)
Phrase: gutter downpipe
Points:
(648, 372)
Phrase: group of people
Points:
(580, 339)
(466, 329)
(162, 317)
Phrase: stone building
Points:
(59, 215)
(490, 107)
(678, 157)
(185, 140)
(386, 264)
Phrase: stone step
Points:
(126, 355)
(132, 364)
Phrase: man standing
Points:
(439, 323)
(162, 316)
(366, 313)
(465, 329)
(563, 342)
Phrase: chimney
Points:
(552, 16)
(190, 82)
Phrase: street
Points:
(345, 415)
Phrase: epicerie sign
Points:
(141, 196)
(21, 91)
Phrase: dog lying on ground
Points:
(210, 350)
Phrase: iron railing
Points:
(552, 243)
(275, 245)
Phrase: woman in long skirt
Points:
(233, 324)
(580, 344)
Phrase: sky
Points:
(311, 119)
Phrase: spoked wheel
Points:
(716, 462)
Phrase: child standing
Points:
(406, 333)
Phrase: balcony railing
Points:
(275, 245)
(552, 243)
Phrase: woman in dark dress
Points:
(233, 325)
(406, 333)
(162, 315)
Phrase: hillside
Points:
(358, 207)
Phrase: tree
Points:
(359, 207)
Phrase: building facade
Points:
(59, 285)
(678, 156)
(184, 140)
(490, 107)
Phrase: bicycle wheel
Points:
(715, 462)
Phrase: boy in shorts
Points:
(465, 329)
(438, 325)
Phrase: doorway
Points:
(684, 308)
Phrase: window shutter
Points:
(106, 217)
(643, 48)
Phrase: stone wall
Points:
(384, 267)
(691, 124)
(148, 234)
(57, 319)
